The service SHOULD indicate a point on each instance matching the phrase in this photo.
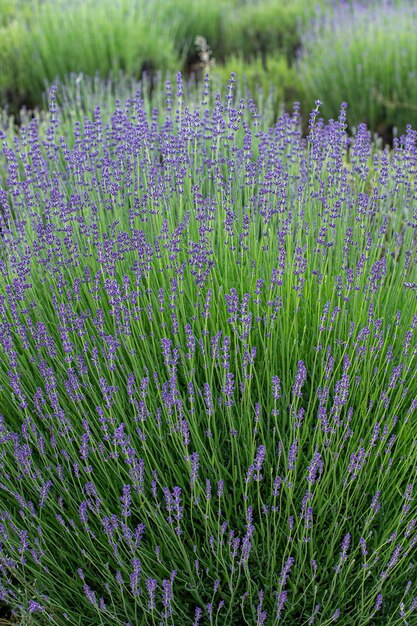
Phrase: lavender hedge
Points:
(208, 370)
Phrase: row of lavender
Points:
(208, 370)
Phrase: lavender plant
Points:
(208, 370)
(367, 49)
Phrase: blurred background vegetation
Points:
(303, 50)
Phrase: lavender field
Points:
(208, 369)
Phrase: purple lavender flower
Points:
(44, 492)
(315, 468)
(151, 586)
(228, 389)
(83, 512)
(392, 562)
(195, 462)
(281, 600)
(357, 462)
(35, 607)
(277, 486)
(255, 469)
(364, 549)
(343, 553)
(126, 501)
(300, 378)
(135, 577)
(177, 507)
(208, 399)
(375, 504)
(378, 602)
(167, 598)
(292, 456)
(90, 595)
(312, 618)
(286, 571)
(197, 616)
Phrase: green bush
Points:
(192, 18)
(265, 27)
(84, 37)
(366, 56)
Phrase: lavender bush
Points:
(367, 49)
(208, 370)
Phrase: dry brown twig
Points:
(207, 61)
